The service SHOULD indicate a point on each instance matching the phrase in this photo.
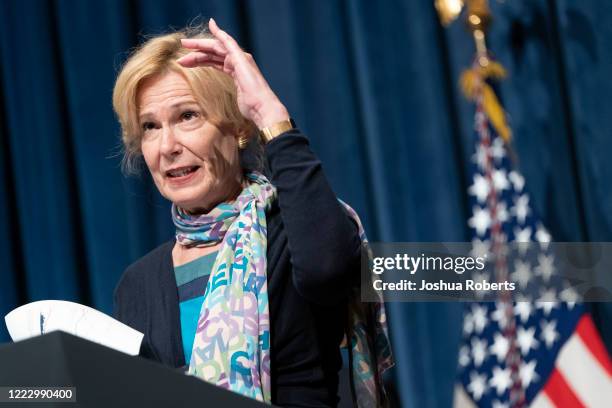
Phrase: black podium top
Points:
(104, 377)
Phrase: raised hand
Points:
(256, 100)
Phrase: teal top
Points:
(191, 280)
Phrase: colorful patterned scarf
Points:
(232, 343)
(370, 350)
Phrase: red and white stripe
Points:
(582, 376)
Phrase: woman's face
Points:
(192, 162)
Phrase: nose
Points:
(170, 145)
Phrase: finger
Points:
(228, 66)
(203, 54)
(248, 74)
(198, 58)
(226, 40)
(204, 44)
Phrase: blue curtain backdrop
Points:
(374, 85)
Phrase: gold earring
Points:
(243, 141)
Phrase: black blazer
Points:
(313, 259)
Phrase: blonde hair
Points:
(214, 91)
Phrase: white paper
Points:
(44, 316)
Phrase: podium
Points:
(103, 377)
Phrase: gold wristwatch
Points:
(270, 132)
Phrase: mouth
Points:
(181, 172)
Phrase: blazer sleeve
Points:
(130, 309)
(323, 240)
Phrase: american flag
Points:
(537, 352)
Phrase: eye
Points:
(188, 115)
(148, 126)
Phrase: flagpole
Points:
(478, 20)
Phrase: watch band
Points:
(270, 132)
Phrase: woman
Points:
(253, 294)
